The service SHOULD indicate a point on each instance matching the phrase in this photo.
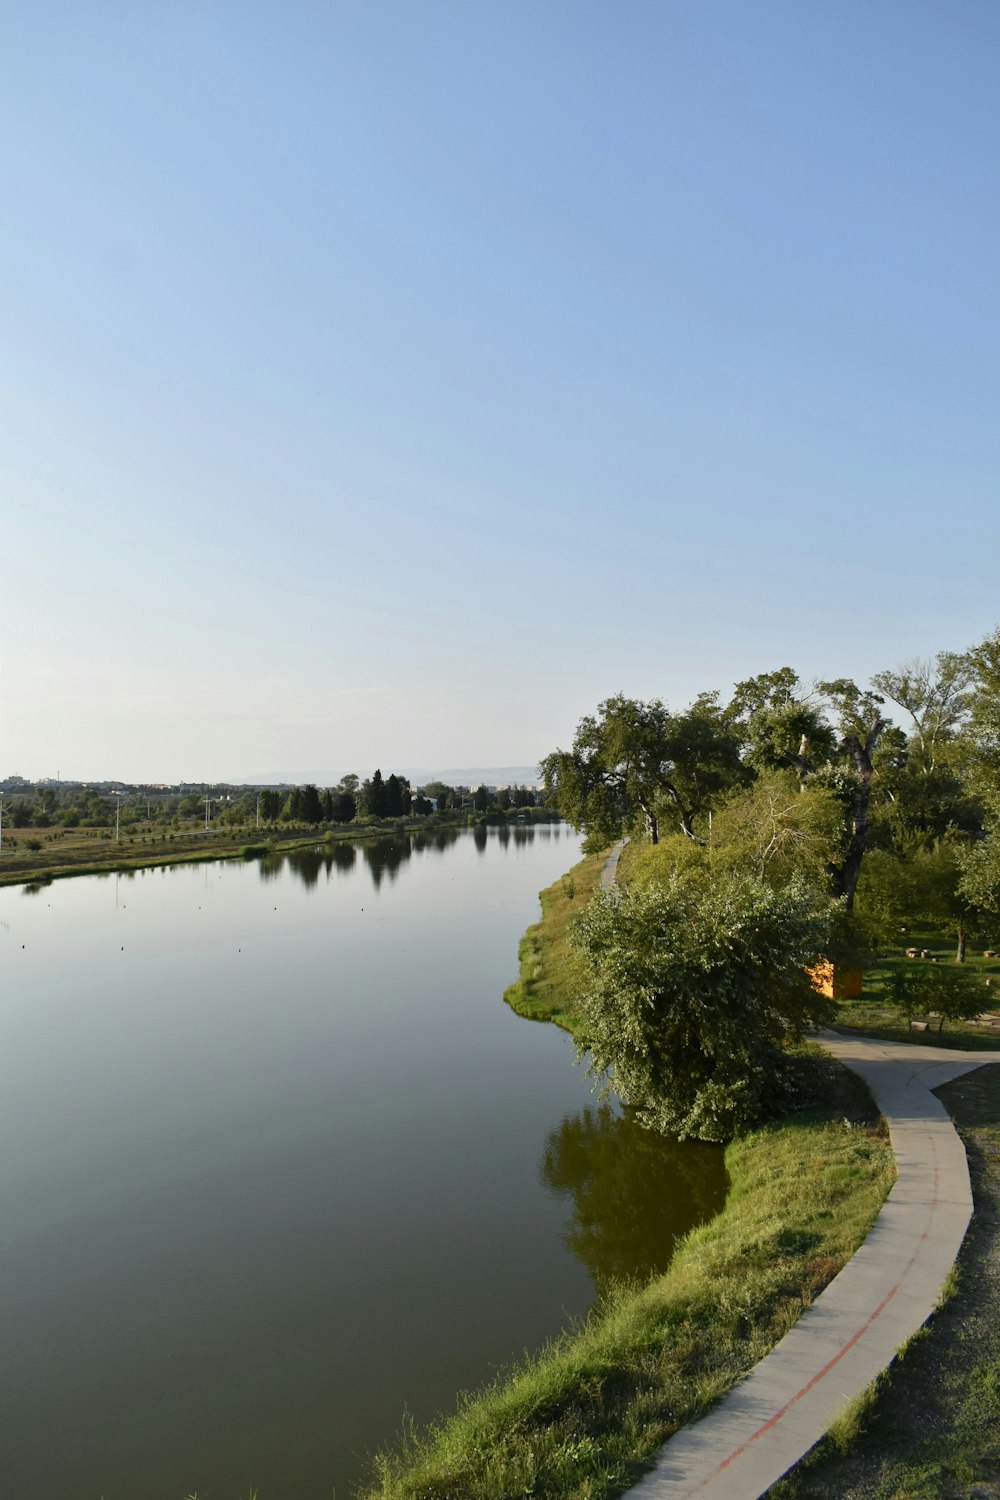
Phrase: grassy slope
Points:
(930, 1430)
(91, 852)
(583, 1418)
(551, 974)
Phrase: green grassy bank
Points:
(930, 1428)
(89, 852)
(550, 972)
(584, 1417)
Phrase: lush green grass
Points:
(584, 1418)
(552, 975)
(930, 1430)
(872, 1015)
(85, 851)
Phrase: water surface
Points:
(278, 1164)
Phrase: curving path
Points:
(878, 1301)
(610, 872)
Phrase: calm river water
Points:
(277, 1164)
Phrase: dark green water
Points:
(278, 1164)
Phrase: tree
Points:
(981, 876)
(696, 986)
(311, 805)
(481, 799)
(953, 994)
(862, 725)
(778, 728)
(936, 697)
(397, 797)
(292, 811)
(984, 723)
(636, 758)
(373, 796)
(270, 804)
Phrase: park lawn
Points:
(930, 1428)
(871, 1015)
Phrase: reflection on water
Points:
(633, 1192)
(386, 855)
(270, 1168)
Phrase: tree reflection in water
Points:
(383, 856)
(634, 1192)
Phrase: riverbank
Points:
(551, 974)
(930, 1428)
(85, 852)
(584, 1418)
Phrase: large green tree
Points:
(981, 881)
(697, 985)
(633, 760)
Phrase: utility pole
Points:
(258, 809)
(118, 807)
(1, 822)
(208, 804)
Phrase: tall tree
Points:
(862, 724)
(397, 796)
(981, 878)
(779, 727)
(937, 698)
(312, 805)
(636, 759)
(373, 796)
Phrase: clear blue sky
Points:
(387, 383)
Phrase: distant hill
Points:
(474, 775)
(418, 776)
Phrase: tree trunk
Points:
(960, 955)
(844, 877)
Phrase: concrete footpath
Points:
(855, 1327)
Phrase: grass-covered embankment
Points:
(930, 1428)
(583, 1418)
(94, 852)
(551, 972)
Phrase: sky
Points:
(388, 383)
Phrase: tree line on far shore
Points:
(76, 806)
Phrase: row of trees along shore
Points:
(780, 833)
(76, 806)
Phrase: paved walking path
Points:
(610, 872)
(854, 1328)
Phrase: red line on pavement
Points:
(772, 1422)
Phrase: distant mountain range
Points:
(418, 776)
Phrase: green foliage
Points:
(638, 760)
(777, 827)
(696, 987)
(952, 992)
(778, 728)
(980, 878)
